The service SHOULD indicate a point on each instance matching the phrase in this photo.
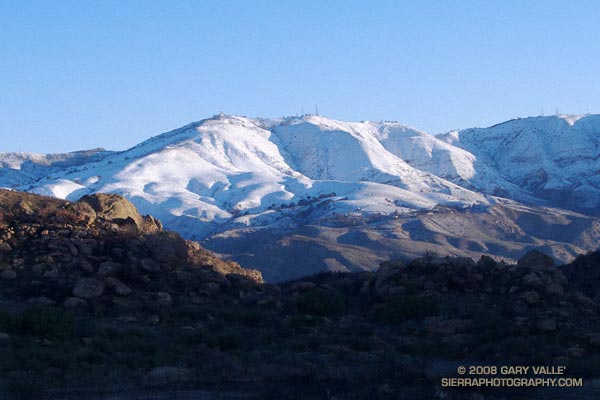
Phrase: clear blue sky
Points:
(81, 74)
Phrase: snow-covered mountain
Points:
(22, 169)
(230, 176)
(214, 170)
(552, 158)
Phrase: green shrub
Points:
(252, 317)
(25, 384)
(322, 302)
(46, 322)
(7, 322)
(491, 326)
(586, 367)
(404, 308)
(226, 341)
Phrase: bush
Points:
(586, 367)
(25, 384)
(322, 302)
(252, 317)
(7, 322)
(491, 326)
(46, 322)
(404, 308)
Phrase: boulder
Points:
(5, 247)
(108, 268)
(532, 280)
(83, 211)
(168, 247)
(547, 325)
(83, 265)
(536, 258)
(113, 207)
(51, 273)
(302, 286)
(530, 297)
(594, 339)
(162, 376)
(74, 302)
(88, 288)
(554, 289)
(149, 265)
(117, 286)
(388, 270)
(164, 299)
(8, 274)
(445, 327)
(151, 224)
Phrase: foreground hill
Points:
(92, 295)
(100, 254)
(313, 185)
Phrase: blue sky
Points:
(82, 74)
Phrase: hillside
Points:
(100, 254)
(551, 158)
(313, 185)
(93, 295)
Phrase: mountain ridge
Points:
(232, 176)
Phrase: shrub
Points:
(46, 322)
(587, 367)
(252, 317)
(25, 384)
(491, 326)
(7, 322)
(404, 308)
(322, 302)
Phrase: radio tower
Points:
(316, 110)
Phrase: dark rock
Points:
(535, 258)
(547, 325)
(149, 265)
(74, 302)
(108, 268)
(164, 299)
(530, 297)
(594, 339)
(532, 280)
(167, 247)
(445, 327)
(41, 301)
(388, 270)
(487, 262)
(84, 265)
(117, 286)
(302, 286)
(554, 289)
(8, 274)
(113, 207)
(162, 376)
(88, 288)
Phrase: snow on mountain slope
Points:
(554, 158)
(215, 170)
(239, 170)
(255, 188)
(323, 149)
(20, 169)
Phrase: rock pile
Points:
(101, 255)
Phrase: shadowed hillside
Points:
(92, 295)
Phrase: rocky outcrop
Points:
(117, 209)
(100, 255)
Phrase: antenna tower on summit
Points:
(316, 110)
